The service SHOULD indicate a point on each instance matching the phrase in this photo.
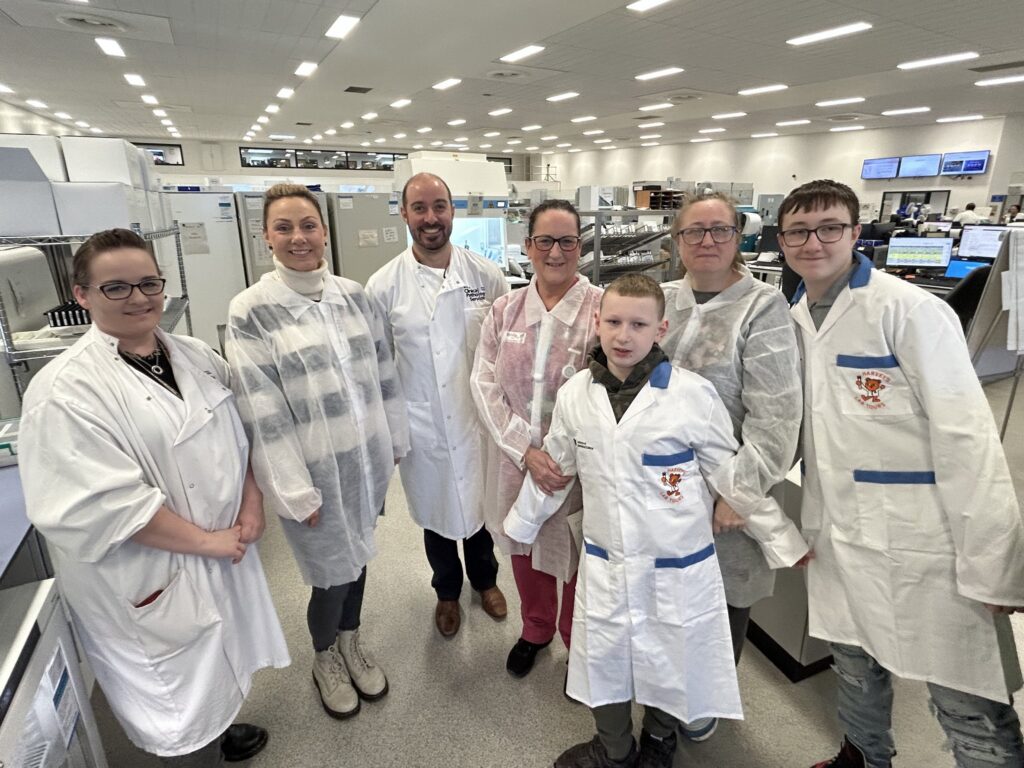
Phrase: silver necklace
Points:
(150, 362)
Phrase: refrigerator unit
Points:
(212, 255)
(366, 233)
(257, 256)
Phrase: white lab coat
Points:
(102, 448)
(907, 497)
(319, 396)
(434, 338)
(743, 342)
(525, 354)
(650, 620)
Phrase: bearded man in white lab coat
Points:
(918, 542)
(433, 298)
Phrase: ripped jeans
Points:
(982, 733)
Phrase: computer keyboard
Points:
(937, 282)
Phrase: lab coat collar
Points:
(453, 280)
(685, 298)
(565, 311)
(295, 303)
(859, 279)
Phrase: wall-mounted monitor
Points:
(920, 252)
(919, 165)
(880, 168)
(964, 163)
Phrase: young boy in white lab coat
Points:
(650, 620)
(907, 499)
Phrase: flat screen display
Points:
(880, 168)
(919, 252)
(962, 267)
(981, 242)
(919, 165)
(966, 163)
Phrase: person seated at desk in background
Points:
(968, 216)
(1013, 214)
(917, 537)
(136, 470)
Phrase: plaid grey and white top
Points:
(324, 411)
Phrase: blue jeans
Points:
(982, 733)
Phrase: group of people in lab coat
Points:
(491, 404)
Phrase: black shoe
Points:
(849, 757)
(521, 657)
(656, 753)
(592, 754)
(242, 741)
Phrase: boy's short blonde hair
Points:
(638, 286)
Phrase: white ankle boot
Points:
(332, 679)
(367, 677)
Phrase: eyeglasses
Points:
(826, 233)
(151, 286)
(695, 235)
(546, 242)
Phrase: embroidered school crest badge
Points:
(870, 385)
(670, 480)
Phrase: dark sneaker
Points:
(655, 752)
(849, 757)
(521, 657)
(592, 754)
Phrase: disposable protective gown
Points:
(525, 354)
(321, 402)
(744, 343)
(907, 497)
(433, 324)
(102, 448)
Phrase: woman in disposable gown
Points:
(135, 469)
(532, 341)
(735, 331)
(322, 405)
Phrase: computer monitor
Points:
(919, 252)
(981, 241)
(880, 168)
(960, 268)
(964, 163)
(919, 165)
(769, 239)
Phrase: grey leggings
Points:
(615, 726)
(333, 610)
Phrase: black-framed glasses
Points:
(151, 286)
(826, 233)
(695, 235)
(547, 242)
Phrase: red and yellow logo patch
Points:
(871, 385)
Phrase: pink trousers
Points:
(538, 597)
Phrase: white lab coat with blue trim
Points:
(907, 497)
(650, 619)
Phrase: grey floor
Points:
(452, 705)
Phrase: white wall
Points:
(776, 165)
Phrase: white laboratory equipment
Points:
(257, 256)
(366, 230)
(212, 255)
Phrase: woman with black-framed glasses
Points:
(532, 341)
(736, 332)
(135, 468)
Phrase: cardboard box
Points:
(84, 208)
(95, 158)
(26, 200)
(45, 149)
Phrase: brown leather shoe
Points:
(494, 603)
(447, 617)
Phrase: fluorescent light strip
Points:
(583, 119)
(522, 53)
(424, 129)
(285, 93)
(461, 139)
(762, 135)
(36, 103)
(651, 136)
(396, 136)
(306, 68)
(255, 127)
(699, 141)
(513, 142)
(341, 26)
(492, 134)
(655, 124)
(5, 89)
(381, 140)
(548, 138)
(149, 99)
(331, 131)
(829, 34)
(262, 119)
(659, 73)
(595, 132)
(838, 102)
(272, 109)
(937, 60)
(167, 121)
(347, 125)
(960, 118)
(645, 5)
(160, 112)
(368, 116)
(400, 103)
(110, 46)
(62, 115)
(787, 123)
(711, 130)
(532, 127)
(135, 80)
(575, 150)
(499, 112)
(1001, 80)
(564, 144)
(611, 147)
(282, 136)
(563, 96)
(458, 121)
(417, 146)
(652, 107)
(907, 111)
(728, 115)
(762, 89)
(844, 128)
(486, 146)
(81, 123)
(436, 143)
(652, 143)
(602, 141)
(531, 149)
(444, 85)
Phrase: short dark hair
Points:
(819, 194)
(425, 175)
(100, 243)
(969, 206)
(283, 190)
(552, 205)
(638, 286)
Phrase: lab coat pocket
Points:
(669, 479)
(422, 433)
(873, 387)
(687, 587)
(900, 511)
(171, 629)
(603, 587)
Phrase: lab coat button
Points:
(191, 485)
